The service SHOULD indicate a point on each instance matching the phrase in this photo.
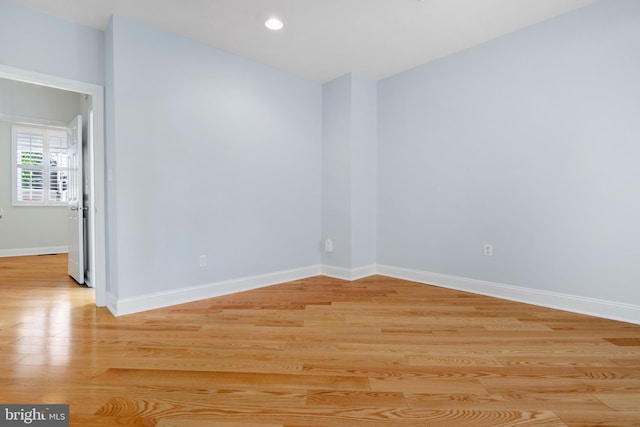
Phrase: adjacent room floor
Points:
(316, 352)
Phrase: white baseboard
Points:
(152, 301)
(348, 274)
(112, 303)
(573, 303)
(4, 253)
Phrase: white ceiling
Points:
(324, 39)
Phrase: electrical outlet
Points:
(203, 260)
(328, 246)
(488, 249)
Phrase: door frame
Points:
(98, 244)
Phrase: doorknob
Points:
(78, 208)
(1, 213)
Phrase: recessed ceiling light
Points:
(274, 24)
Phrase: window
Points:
(39, 166)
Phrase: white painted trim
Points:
(112, 303)
(335, 272)
(5, 253)
(155, 300)
(573, 303)
(348, 274)
(98, 243)
(30, 121)
(577, 304)
(362, 272)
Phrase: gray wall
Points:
(349, 163)
(528, 142)
(26, 229)
(210, 154)
(35, 41)
(364, 185)
(24, 101)
(336, 170)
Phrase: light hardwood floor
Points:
(316, 352)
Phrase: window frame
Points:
(47, 132)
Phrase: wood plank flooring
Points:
(316, 352)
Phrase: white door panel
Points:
(75, 206)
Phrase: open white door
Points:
(76, 209)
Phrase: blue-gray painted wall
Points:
(530, 142)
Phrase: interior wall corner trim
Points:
(348, 273)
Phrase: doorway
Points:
(96, 152)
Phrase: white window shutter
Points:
(39, 166)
